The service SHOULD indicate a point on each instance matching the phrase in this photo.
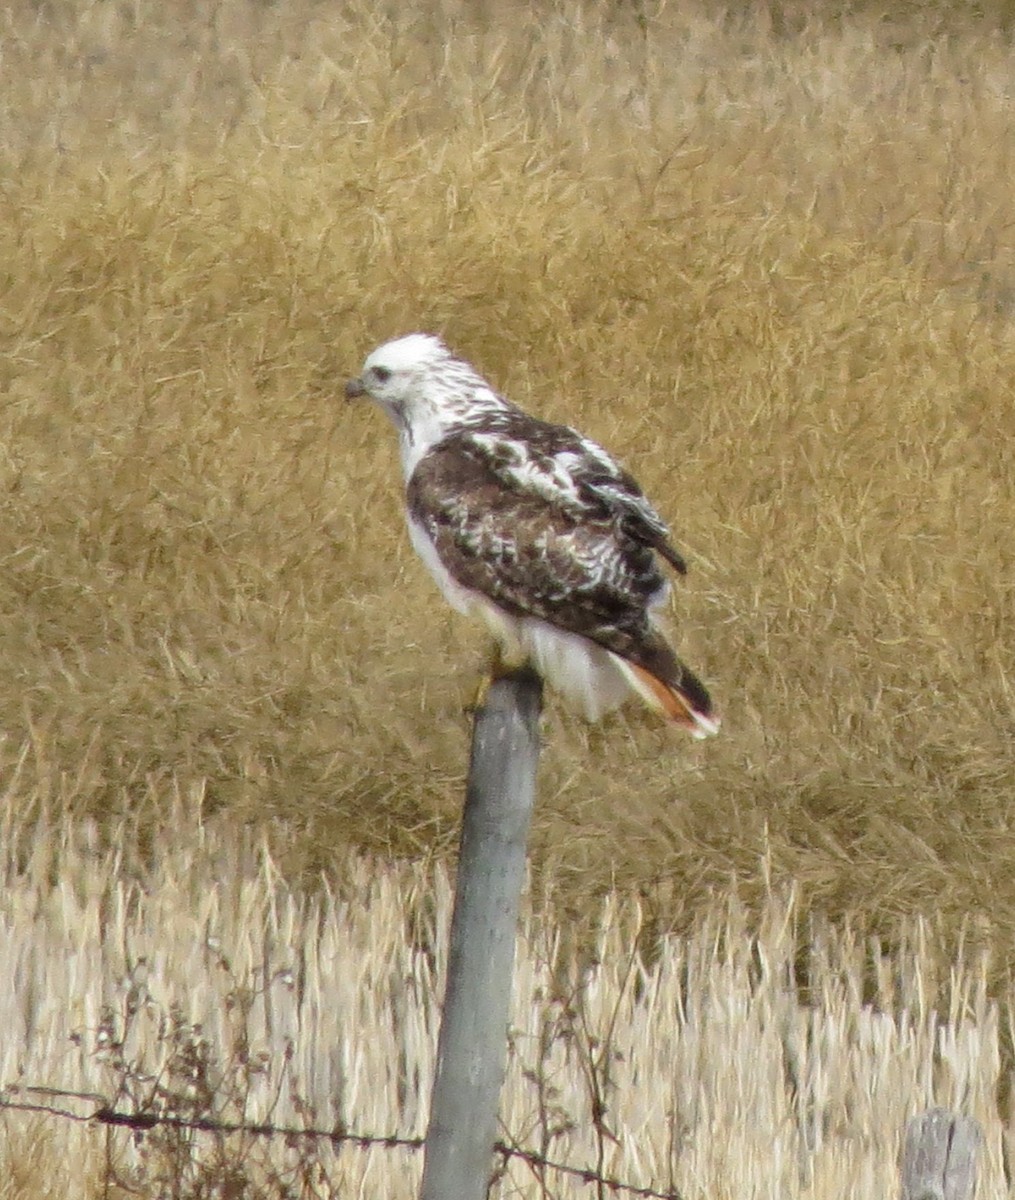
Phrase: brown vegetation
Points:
(772, 270)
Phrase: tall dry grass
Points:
(766, 259)
(774, 1057)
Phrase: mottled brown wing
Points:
(576, 472)
(578, 570)
(543, 523)
(639, 519)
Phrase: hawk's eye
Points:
(382, 374)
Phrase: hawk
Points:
(536, 529)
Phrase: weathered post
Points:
(939, 1156)
(472, 1047)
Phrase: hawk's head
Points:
(422, 386)
(396, 373)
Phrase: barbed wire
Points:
(143, 1122)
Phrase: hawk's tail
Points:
(672, 689)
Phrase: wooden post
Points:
(472, 1047)
(939, 1156)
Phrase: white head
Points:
(424, 389)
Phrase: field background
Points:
(764, 254)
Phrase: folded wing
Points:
(546, 526)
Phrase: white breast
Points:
(417, 439)
(458, 597)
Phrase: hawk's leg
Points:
(500, 661)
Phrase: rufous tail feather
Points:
(677, 705)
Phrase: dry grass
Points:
(776, 1059)
(766, 260)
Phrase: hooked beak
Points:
(354, 389)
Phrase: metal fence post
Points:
(472, 1047)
